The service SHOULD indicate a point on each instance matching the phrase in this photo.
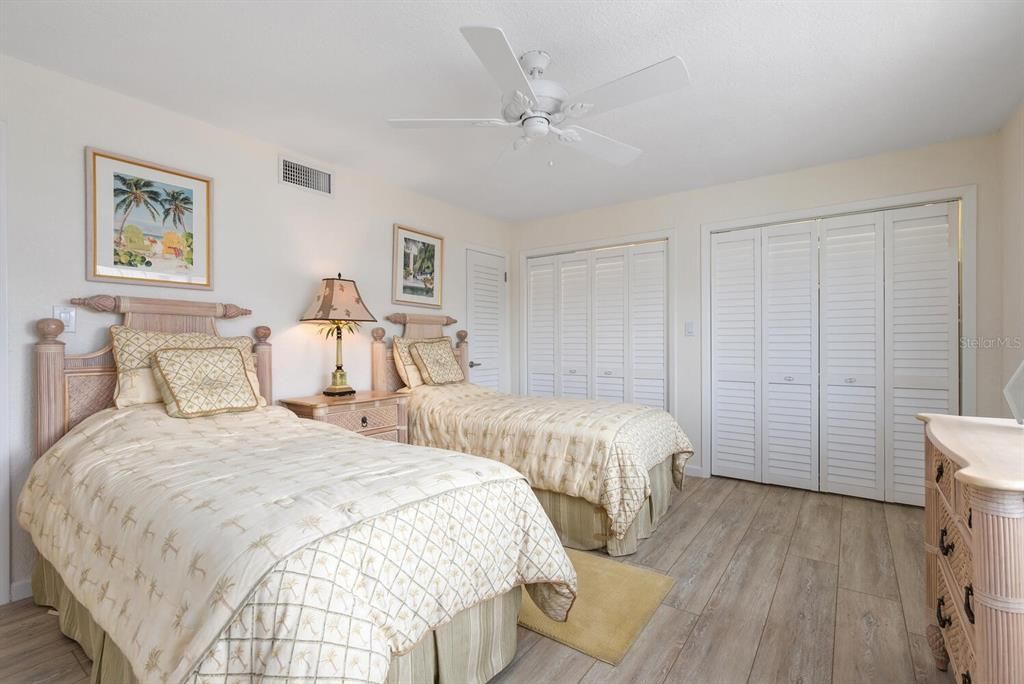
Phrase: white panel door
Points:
(485, 308)
(573, 361)
(736, 354)
(851, 348)
(647, 376)
(610, 324)
(921, 337)
(541, 321)
(789, 355)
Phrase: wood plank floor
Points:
(772, 585)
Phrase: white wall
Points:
(964, 162)
(1011, 140)
(272, 243)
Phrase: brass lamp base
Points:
(339, 384)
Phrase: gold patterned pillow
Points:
(404, 363)
(436, 362)
(133, 351)
(203, 382)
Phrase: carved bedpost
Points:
(263, 365)
(463, 357)
(378, 370)
(49, 353)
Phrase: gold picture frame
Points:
(417, 269)
(147, 224)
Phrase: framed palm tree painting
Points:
(418, 268)
(146, 223)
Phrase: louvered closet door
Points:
(851, 311)
(921, 336)
(573, 361)
(789, 355)
(609, 306)
(541, 305)
(647, 379)
(736, 354)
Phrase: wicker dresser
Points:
(974, 544)
(382, 415)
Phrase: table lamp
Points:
(339, 308)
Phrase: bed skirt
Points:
(477, 644)
(585, 526)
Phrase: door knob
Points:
(474, 364)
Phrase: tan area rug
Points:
(613, 604)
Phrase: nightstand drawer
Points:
(387, 435)
(362, 419)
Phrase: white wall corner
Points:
(22, 589)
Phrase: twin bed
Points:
(260, 545)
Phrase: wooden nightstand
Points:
(382, 415)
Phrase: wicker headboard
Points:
(384, 376)
(70, 388)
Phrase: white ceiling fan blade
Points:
(657, 79)
(492, 47)
(448, 123)
(597, 145)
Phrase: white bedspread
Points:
(261, 544)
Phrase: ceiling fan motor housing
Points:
(550, 97)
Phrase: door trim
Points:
(5, 443)
(967, 195)
(505, 353)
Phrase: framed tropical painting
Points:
(418, 268)
(147, 224)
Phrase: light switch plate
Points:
(690, 328)
(67, 315)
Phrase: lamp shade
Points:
(338, 299)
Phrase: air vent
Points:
(306, 177)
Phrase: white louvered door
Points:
(789, 355)
(736, 354)
(573, 362)
(485, 309)
(541, 316)
(851, 347)
(610, 324)
(647, 377)
(921, 340)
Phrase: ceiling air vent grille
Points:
(307, 177)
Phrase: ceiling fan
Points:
(539, 106)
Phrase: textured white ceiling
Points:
(775, 86)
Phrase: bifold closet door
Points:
(789, 355)
(541, 315)
(573, 361)
(851, 348)
(610, 324)
(647, 379)
(921, 337)
(736, 354)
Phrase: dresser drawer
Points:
(944, 471)
(955, 637)
(387, 435)
(362, 419)
(955, 556)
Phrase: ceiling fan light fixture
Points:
(535, 126)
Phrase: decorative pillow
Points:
(436, 362)
(203, 382)
(404, 363)
(133, 351)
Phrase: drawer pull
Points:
(364, 421)
(970, 518)
(943, 546)
(965, 678)
(943, 621)
(968, 609)
(789, 378)
(850, 381)
(940, 471)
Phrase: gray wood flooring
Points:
(772, 585)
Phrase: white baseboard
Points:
(21, 589)
(696, 471)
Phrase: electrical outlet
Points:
(66, 315)
(690, 328)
